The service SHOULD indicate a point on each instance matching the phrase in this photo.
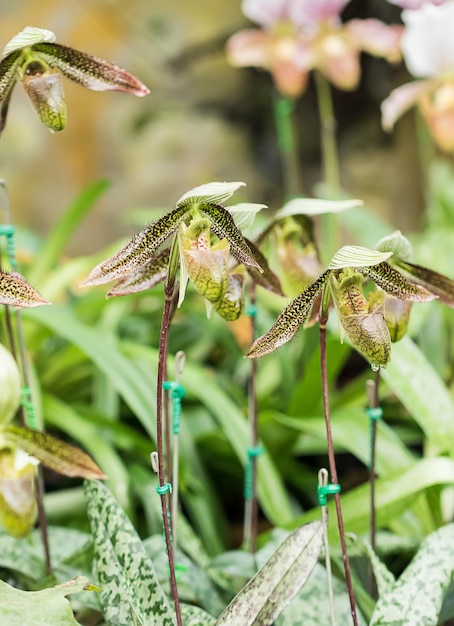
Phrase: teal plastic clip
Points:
(326, 490)
(252, 453)
(251, 310)
(177, 393)
(27, 403)
(162, 490)
(375, 413)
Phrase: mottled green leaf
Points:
(397, 244)
(48, 607)
(123, 569)
(194, 616)
(138, 251)
(223, 225)
(394, 283)
(357, 256)
(15, 291)
(210, 193)
(314, 206)
(90, 71)
(147, 277)
(53, 453)
(417, 596)
(289, 320)
(278, 581)
(384, 579)
(436, 283)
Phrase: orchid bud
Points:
(17, 492)
(10, 386)
(362, 320)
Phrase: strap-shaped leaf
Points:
(53, 453)
(8, 68)
(210, 193)
(357, 256)
(289, 320)
(147, 277)
(90, 71)
(138, 251)
(14, 290)
(131, 590)
(397, 244)
(438, 284)
(266, 278)
(278, 581)
(223, 225)
(395, 283)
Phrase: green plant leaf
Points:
(138, 251)
(122, 566)
(394, 283)
(357, 256)
(314, 206)
(223, 225)
(216, 193)
(53, 453)
(417, 596)
(15, 291)
(194, 616)
(289, 320)
(48, 607)
(274, 586)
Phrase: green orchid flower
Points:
(35, 59)
(209, 248)
(361, 313)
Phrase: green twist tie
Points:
(27, 403)
(252, 453)
(163, 489)
(251, 310)
(8, 230)
(177, 393)
(375, 413)
(326, 490)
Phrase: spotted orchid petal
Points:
(146, 277)
(439, 285)
(15, 291)
(395, 284)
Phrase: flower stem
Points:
(332, 466)
(165, 499)
(288, 147)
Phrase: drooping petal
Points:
(376, 38)
(89, 71)
(265, 12)
(8, 70)
(289, 320)
(45, 91)
(440, 285)
(138, 251)
(223, 225)
(401, 100)
(15, 291)
(249, 48)
(147, 277)
(395, 284)
(427, 42)
(339, 62)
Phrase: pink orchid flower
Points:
(300, 35)
(414, 4)
(428, 49)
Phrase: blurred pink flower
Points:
(428, 49)
(415, 4)
(300, 35)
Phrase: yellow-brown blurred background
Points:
(202, 121)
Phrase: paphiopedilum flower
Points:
(35, 59)
(212, 252)
(300, 35)
(428, 49)
(361, 314)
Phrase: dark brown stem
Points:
(374, 404)
(42, 519)
(332, 467)
(165, 499)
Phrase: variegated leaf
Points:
(210, 193)
(131, 590)
(395, 284)
(436, 283)
(357, 256)
(194, 616)
(223, 225)
(289, 320)
(147, 277)
(89, 71)
(15, 291)
(267, 278)
(138, 251)
(397, 244)
(53, 453)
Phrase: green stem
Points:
(332, 466)
(328, 133)
(288, 146)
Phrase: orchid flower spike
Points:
(35, 59)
